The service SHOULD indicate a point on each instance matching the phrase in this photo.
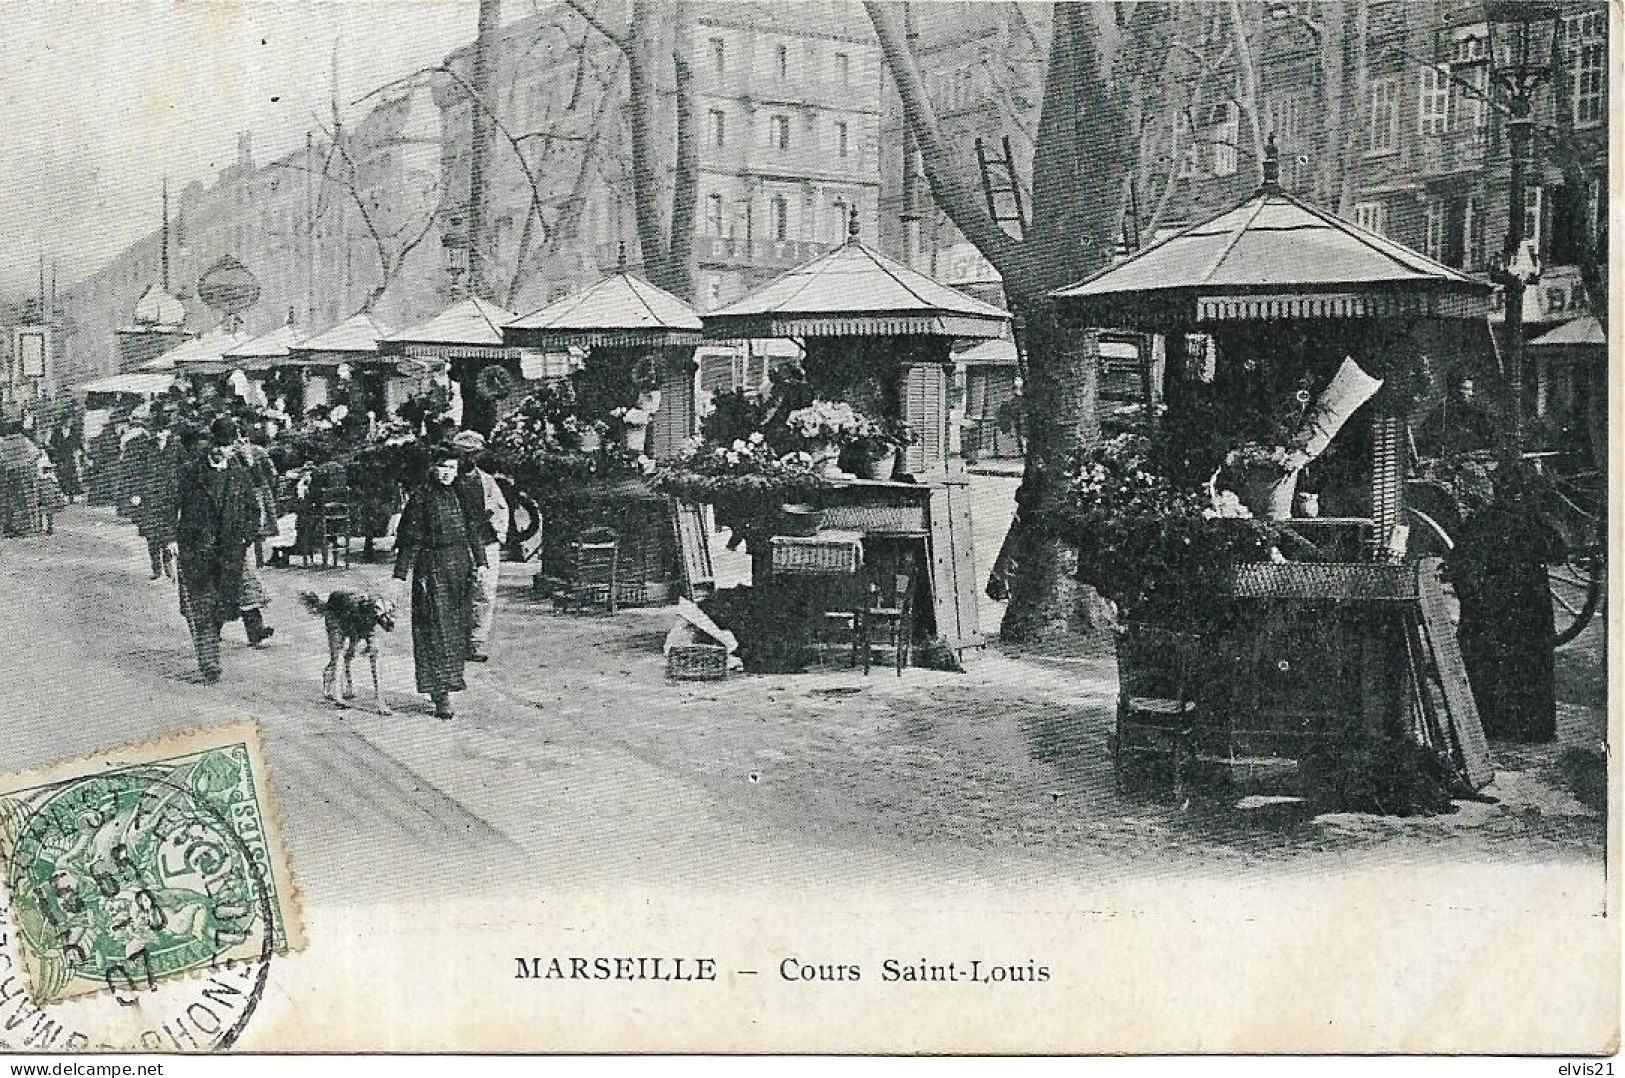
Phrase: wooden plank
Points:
(953, 567)
(1461, 710)
(699, 579)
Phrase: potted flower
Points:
(825, 427)
(1263, 476)
(874, 453)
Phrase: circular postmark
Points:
(149, 885)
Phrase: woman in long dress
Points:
(436, 546)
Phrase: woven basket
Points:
(697, 662)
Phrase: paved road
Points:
(573, 762)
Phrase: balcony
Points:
(717, 253)
(1450, 154)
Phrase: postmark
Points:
(146, 865)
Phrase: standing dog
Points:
(351, 618)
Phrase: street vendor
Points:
(488, 516)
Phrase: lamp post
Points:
(1523, 54)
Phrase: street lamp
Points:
(1523, 54)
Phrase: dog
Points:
(351, 618)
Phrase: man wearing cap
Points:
(487, 511)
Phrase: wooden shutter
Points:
(925, 408)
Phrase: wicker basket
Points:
(697, 662)
(836, 553)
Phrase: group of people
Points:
(30, 490)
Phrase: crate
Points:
(697, 662)
(829, 553)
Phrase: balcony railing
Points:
(1448, 154)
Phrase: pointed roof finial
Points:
(1272, 168)
(621, 265)
(852, 223)
(290, 316)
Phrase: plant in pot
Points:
(1263, 476)
(825, 427)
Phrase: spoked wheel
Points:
(1576, 586)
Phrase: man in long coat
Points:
(20, 512)
(154, 509)
(217, 520)
(435, 544)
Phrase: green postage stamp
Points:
(147, 863)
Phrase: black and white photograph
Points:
(947, 527)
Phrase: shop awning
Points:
(622, 310)
(266, 349)
(133, 383)
(855, 291)
(354, 340)
(468, 329)
(995, 353)
(1582, 332)
(1274, 257)
(203, 355)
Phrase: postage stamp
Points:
(146, 864)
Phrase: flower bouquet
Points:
(1263, 476)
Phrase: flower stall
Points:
(465, 342)
(583, 444)
(858, 435)
(1263, 517)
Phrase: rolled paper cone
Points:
(1349, 388)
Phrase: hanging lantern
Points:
(228, 287)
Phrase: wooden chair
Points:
(336, 528)
(1157, 710)
(594, 569)
(891, 613)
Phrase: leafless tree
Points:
(1085, 150)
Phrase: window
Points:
(1283, 124)
(1533, 205)
(1384, 118)
(1585, 48)
(782, 55)
(840, 138)
(1185, 140)
(1472, 233)
(719, 56)
(713, 291)
(713, 215)
(838, 231)
(719, 129)
(781, 133)
(779, 217)
(1433, 102)
(1433, 237)
(1372, 216)
(1221, 135)
(843, 69)
(1472, 111)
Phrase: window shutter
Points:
(925, 408)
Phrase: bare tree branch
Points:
(624, 42)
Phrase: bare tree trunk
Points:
(1085, 151)
(480, 244)
(686, 185)
(643, 66)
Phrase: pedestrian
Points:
(253, 448)
(19, 480)
(216, 520)
(436, 546)
(154, 509)
(491, 524)
(65, 452)
(1507, 623)
(253, 599)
